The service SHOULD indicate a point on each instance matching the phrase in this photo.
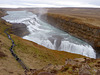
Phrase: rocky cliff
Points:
(74, 26)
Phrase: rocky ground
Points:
(77, 66)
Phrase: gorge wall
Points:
(87, 32)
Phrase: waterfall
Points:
(46, 35)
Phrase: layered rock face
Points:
(87, 32)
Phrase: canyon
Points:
(81, 23)
(87, 32)
(39, 59)
(47, 35)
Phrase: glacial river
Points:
(46, 35)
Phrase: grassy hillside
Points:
(37, 56)
(8, 64)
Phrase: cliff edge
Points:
(76, 27)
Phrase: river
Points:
(46, 35)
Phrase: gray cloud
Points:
(50, 3)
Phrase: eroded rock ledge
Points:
(87, 32)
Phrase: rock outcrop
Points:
(87, 32)
(19, 29)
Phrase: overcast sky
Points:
(50, 3)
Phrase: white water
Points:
(48, 36)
